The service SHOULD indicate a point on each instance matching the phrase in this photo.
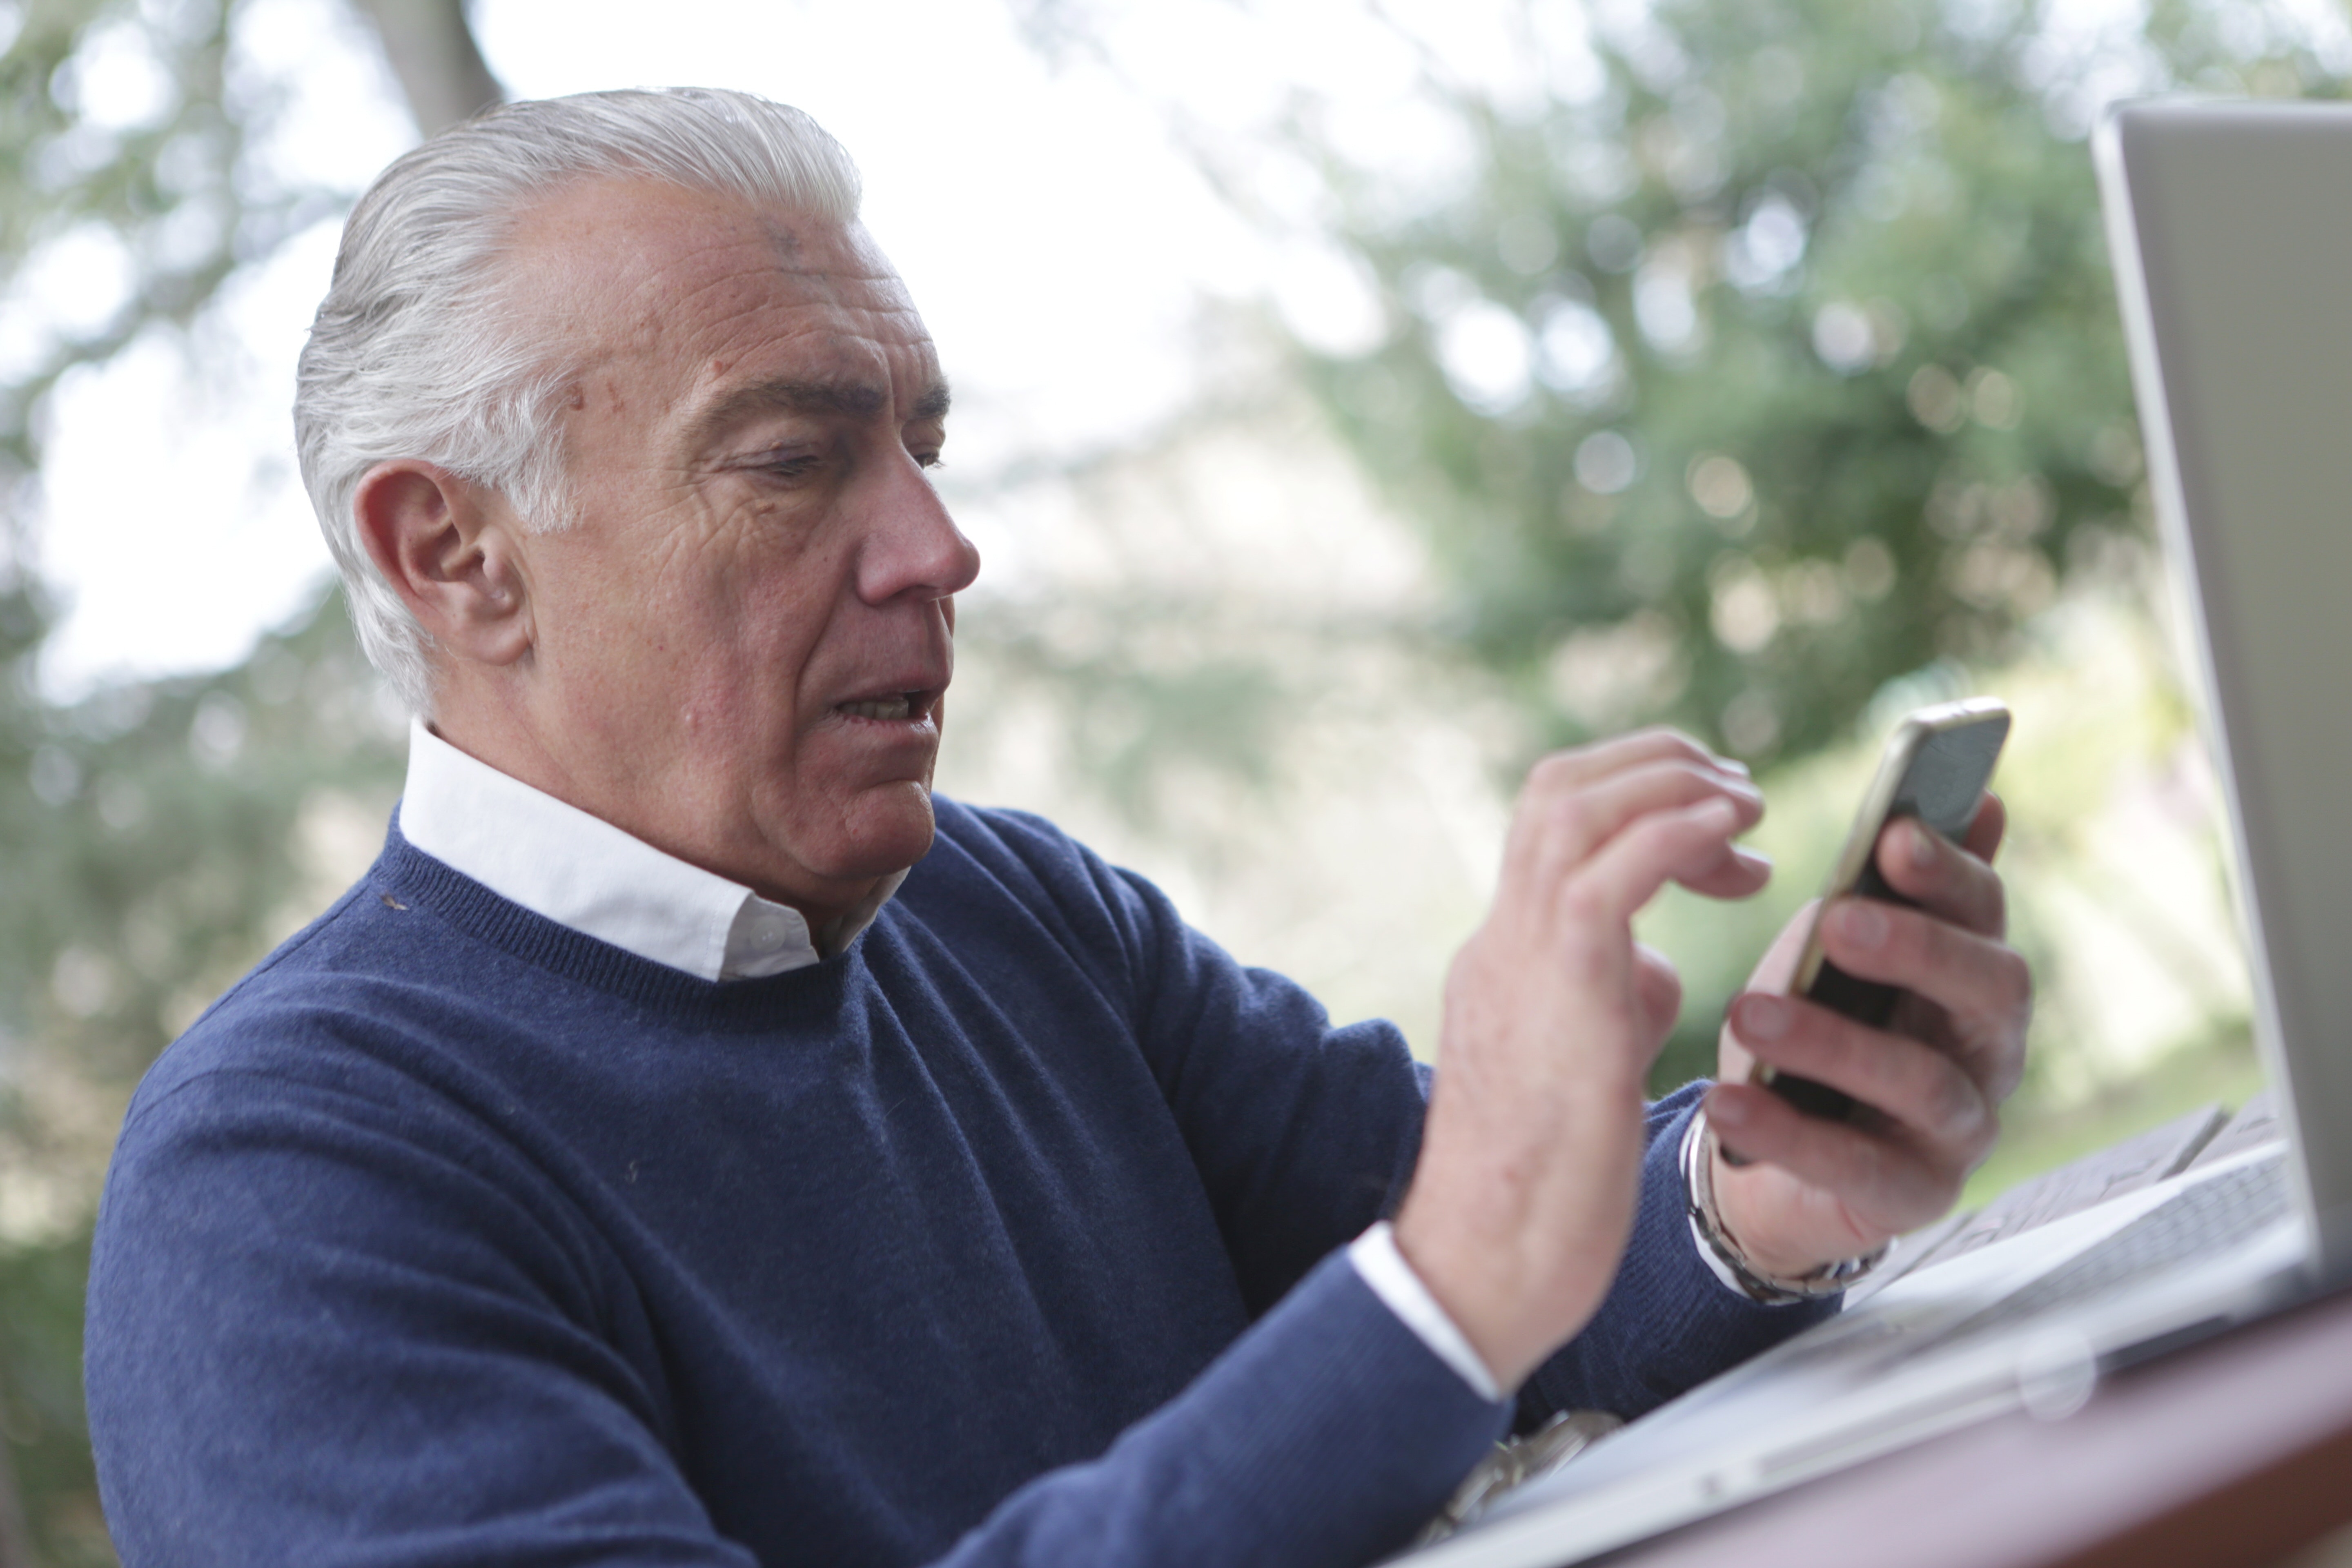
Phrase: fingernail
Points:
(1762, 1017)
(1732, 766)
(1862, 923)
(1726, 1111)
(1923, 846)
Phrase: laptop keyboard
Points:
(2201, 1219)
(2197, 1220)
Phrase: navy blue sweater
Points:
(452, 1236)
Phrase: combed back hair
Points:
(415, 353)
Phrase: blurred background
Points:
(1354, 398)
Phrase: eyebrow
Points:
(848, 399)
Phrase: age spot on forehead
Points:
(782, 239)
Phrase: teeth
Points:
(887, 708)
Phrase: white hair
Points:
(414, 354)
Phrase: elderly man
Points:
(691, 1142)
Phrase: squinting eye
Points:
(930, 460)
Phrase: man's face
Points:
(740, 649)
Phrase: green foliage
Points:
(1827, 384)
(157, 835)
(155, 190)
(1129, 717)
(152, 836)
(156, 846)
(41, 1400)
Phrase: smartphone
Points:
(1935, 767)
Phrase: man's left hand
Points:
(1929, 1084)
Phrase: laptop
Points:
(2230, 225)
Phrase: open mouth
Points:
(896, 708)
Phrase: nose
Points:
(912, 547)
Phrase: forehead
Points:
(649, 290)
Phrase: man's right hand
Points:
(1528, 1172)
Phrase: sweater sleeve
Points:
(1327, 1434)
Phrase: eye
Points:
(787, 467)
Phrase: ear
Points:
(451, 549)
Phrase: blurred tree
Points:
(1767, 352)
(431, 47)
(158, 836)
(128, 160)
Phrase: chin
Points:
(887, 830)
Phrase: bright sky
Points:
(1055, 237)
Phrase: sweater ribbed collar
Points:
(405, 879)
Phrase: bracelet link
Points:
(1706, 1225)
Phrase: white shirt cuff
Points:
(1392, 1279)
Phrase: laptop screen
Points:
(2231, 228)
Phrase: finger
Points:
(1981, 984)
(1742, 873)
(1942, 876)
(1688, 845)
(1772, 973)
(1568, 824)
(1581, 765)
(1931, 1097)
(1778, 967)
(1885, 1186)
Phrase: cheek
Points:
(698, 619)
(688, 592)
(740, 666)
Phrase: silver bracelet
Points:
(1706, 1225)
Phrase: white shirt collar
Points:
(581, 871)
